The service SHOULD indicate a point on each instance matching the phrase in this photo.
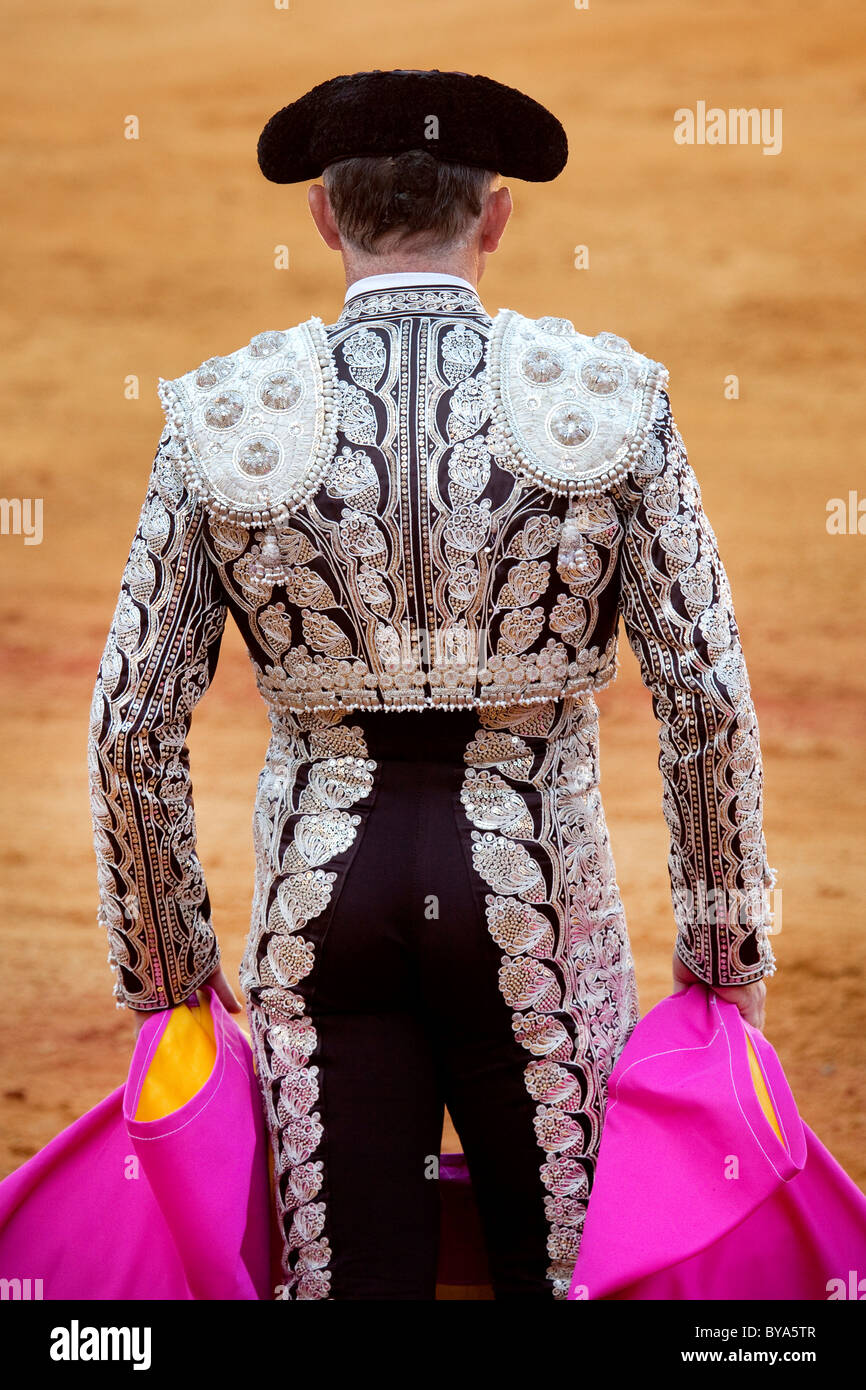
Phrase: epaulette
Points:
(256, 429)
(572, 412)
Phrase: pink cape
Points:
(695, 1196)
(174, 1208)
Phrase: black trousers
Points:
(408, 1019)
(436, 922)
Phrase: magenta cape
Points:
(170, 1208)
(696, 1196)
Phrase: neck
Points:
(464, 263)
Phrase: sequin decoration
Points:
(555, 911)
(407, 540)
(258, 455)
(678, 615)
(225, 410)
(316, 771)
(553, 439)
(266, 344)
(603, 377)
(244, 474)
(540, 365)
(366, 355)
(570, 426)
(213, 371)
(421, 564)
(157, 663)
(281, 391)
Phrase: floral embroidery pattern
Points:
(679, 618)
(421, 572)
(427, 568)
(158, 660)
(316, 769)
(541, 846)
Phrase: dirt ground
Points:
(138, 258)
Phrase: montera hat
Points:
(452, 115)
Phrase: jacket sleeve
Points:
(679, 619)
(158, 660)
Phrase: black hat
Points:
(452, 115)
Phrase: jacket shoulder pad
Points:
(573, 412)
(256, 429)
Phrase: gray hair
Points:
(401, 197)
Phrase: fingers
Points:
(760, 1017)
(226, 994)
(752, 1004)
(759, 1004)
(138, 1017)
(683, 977)
(751, 1000)
(228, 999)
(223, 990)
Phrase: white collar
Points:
(400, 279)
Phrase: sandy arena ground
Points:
(143, 257)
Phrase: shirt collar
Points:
(402, 279)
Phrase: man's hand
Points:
(138, 1017)
(223, 991)
(221, 988)
(750, 999)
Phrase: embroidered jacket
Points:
(421, 505)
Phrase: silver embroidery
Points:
(315, 771)
(555, 911)
(421, 562)
(156, 665)
(679, 618)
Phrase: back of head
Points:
(409, 200)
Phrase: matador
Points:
(428, 522)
